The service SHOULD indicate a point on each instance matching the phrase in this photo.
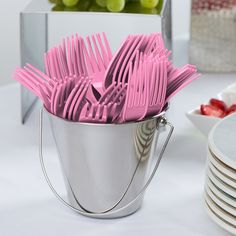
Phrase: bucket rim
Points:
(164, 110)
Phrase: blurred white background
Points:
(9, 28)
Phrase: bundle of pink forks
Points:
(84, 82)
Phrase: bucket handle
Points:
(163, 121)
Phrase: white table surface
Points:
(173, 204)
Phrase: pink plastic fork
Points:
(136, 102)
(114, 98)
(29, 85)
(178, 73)
(73, 58)
(175, 88)
(60, 95)
(127, 55)
(156, 74)
(98, 57)
(95, 113)
(32, 78)
(76, 96)
(181, 75)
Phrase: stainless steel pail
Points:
(105, 166)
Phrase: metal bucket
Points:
(105, 166)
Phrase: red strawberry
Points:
(231, 109)
(209, 110)
(218, 104)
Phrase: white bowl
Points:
(205, 123)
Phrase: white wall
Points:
(9, 28)
(9, 37)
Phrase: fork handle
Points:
(85, 212)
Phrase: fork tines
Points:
(95, 113)
(84, 82)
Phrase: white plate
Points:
(221, 185)
(206, 123)
(222, 195)
(221, 222)
(231, 210)
(231, 182)
(222, 141)
(231, 173)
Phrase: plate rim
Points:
(227, 170)
(221, 156)
(223, 186)
(226, 179)
(220, 193)
(231, 220)
(224, 225)
(225, 206)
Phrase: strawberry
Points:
(218, 104)
(209, 110)
(231, 109)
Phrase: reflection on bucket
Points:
(143, 139)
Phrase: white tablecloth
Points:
(173, 204)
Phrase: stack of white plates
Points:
(220, 188)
